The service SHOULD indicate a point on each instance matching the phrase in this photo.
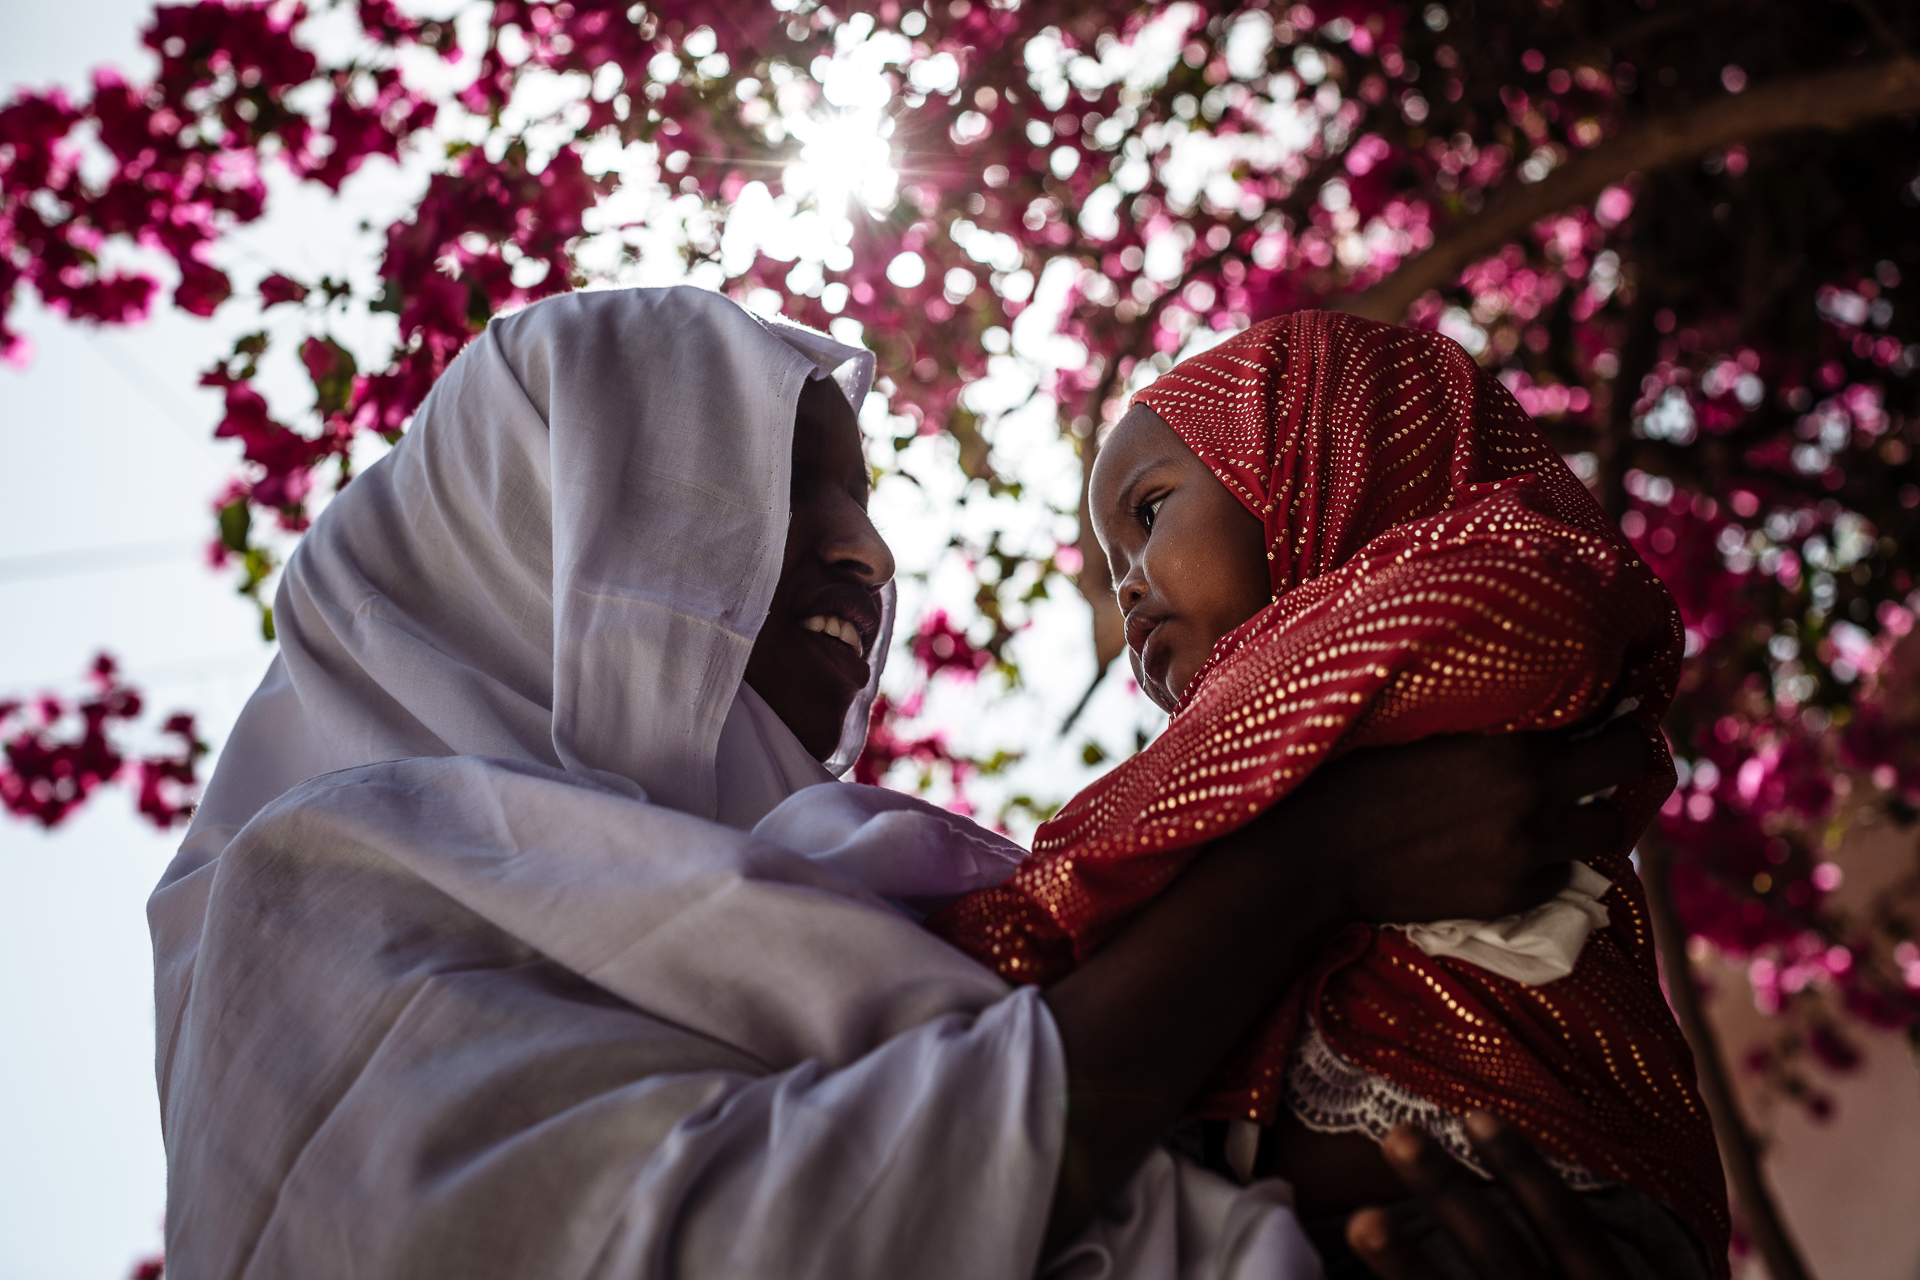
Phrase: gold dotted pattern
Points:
(1435, 569)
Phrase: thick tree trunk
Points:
(1739, 1153)
(1095, 579)
(1832, 100)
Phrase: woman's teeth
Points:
(838, 628)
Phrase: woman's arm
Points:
(1459, 826)
(462, 1017)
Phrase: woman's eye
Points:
(1148, 510)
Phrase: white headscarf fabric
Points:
(470, 964)
(578, 584)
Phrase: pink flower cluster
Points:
(939, 646)
(889, 744)
(58, 752)
(182, 159)
(1780, 711)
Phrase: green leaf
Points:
(236, 522)
(332, 368)
(479, 307)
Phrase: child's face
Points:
(1189, 562)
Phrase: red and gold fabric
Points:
(1436, 568)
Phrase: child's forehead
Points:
(1137, 444)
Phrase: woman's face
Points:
(1189, 562)
(810, 659)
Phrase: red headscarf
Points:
(1436, 568)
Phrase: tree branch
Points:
(1655, 27)
(1837, 99)
(1739, 1154)
(1095, 579)
(1888, 36)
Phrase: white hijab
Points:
(469, 964)
(577, 584)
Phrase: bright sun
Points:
(843, 156)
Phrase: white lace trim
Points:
(1332, 1095)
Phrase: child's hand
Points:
(1455, 1197)
(1463, 826)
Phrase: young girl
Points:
(1328, 534)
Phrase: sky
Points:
(103, 512)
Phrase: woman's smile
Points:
(810, 660)
(839, 628)
(839, 624)
(843, 611)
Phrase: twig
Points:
(1661, 24)
(1739, 1153)
(1837, 99)
(1887, 34)
(1099, 674)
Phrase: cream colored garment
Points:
(1537, 946)
(1534, 947)
(469, 965)
(1171, 1206)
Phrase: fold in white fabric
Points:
(758, 763)
(473, 1017)
(567, 560)
(516, 937)
(1533, 947)
(1180, 1222)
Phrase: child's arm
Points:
(1149, 1018)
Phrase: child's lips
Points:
(1140, 625)
(1154, 658)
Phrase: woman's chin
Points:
(836, 662)
(810, 687)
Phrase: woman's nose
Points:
(1131, 588)
(856, 548)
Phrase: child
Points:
(1423, 563)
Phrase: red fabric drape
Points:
(1436, 568)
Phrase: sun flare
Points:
(844, 156)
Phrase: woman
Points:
(498, 949)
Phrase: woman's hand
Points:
(1461, 826)
(1487, 1241)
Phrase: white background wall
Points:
(1848, 1187)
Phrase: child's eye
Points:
(1145, 512)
